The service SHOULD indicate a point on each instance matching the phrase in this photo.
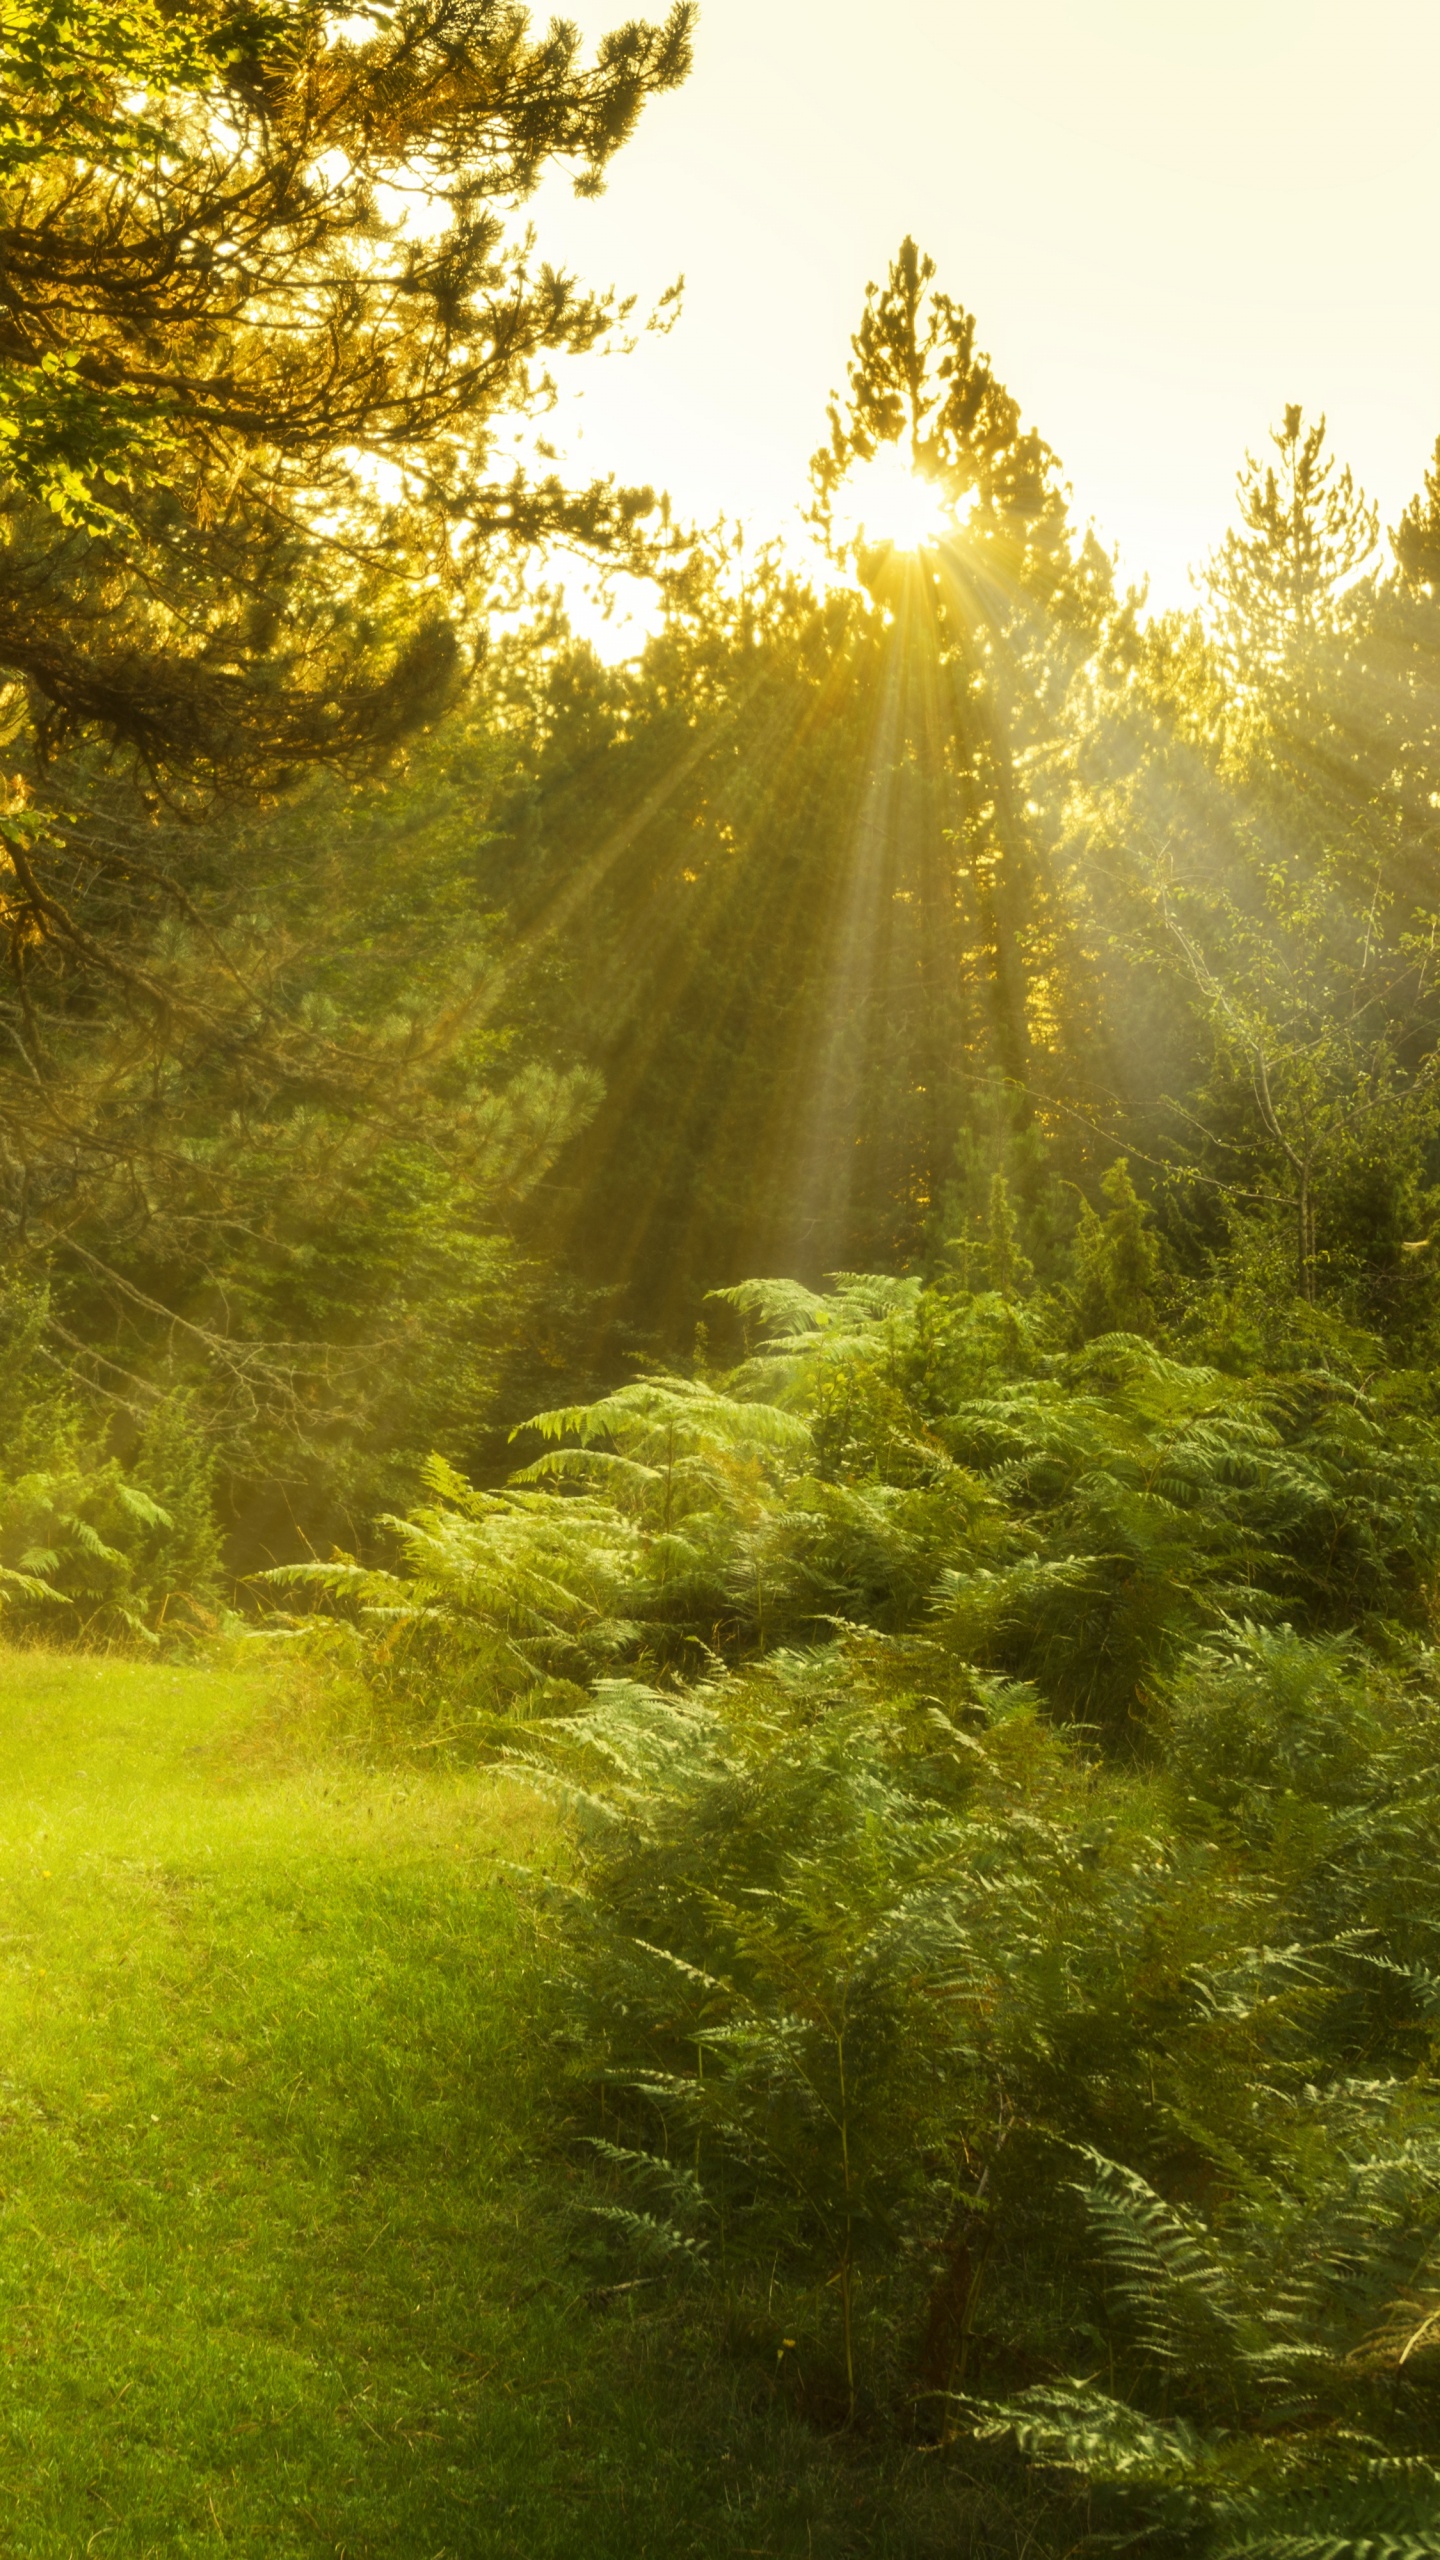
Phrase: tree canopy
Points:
(260, 321)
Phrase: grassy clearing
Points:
(284, 2264)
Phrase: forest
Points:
(809, 1263)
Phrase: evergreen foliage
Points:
(1305, 533)
(219, 316)
(98, 1543)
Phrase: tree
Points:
(1010, 1270)
(917, 381)
(261, 324)
(1415, 540)
(275, 1163)
(1305, 534)
(1117, 1261)
(1324, 1078)
(984, 620)
(814, 832)
(1392, 691)
(260, 320)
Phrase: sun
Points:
(893, 503)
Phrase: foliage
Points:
(896, 1457)
(918, 384)
(1020, 2071)
(266, 317)
(95, 1542)
(1117, 1260)
(281, 1173)
(1305, 533)
(221, 324)
(1006, 1913)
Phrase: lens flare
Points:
(889, 501)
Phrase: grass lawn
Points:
(285, 2263)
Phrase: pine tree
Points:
(1117, 1260)
(918, 381)
(262, 316)
(1416, 538)
(248, 402)
(1305, 534)
(979, 618)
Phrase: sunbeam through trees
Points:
(819, 1247)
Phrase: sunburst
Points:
(891, 502)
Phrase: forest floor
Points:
(287, 2254)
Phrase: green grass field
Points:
(286, 2259)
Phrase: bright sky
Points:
(1170, 216)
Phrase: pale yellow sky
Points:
(1170, 216)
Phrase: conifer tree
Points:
(819, 834)
(1392, 696)
(979, 618)
(1305, 534)
(1117, 1260)
(918, 381)
(260, 319)
(1416, 538)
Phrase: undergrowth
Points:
(1000, 1973)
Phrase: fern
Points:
(1002, 1886)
